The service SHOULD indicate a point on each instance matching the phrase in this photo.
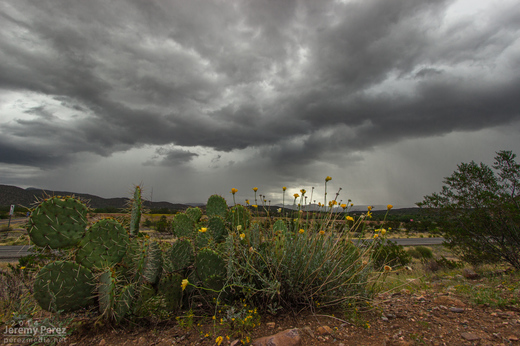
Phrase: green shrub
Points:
(389, 253)
(426, 253)
(478, 212)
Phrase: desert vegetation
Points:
(229, 265)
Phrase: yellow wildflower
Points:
(302, 231)
(303, 191)
(254, 206)
(233, 190)
(255, 189)
(219, 340)
(184, 283)
(279, 210)
(344, 206)
(247, 201)
(322, 232)
(328, 179)
(22, 268)
(242, 236)
(284, 188)
(369, 208)
(296, 195)
(388, 268)
(389, 206)
(239, 228)
(351, 204)
(350, 218)
(203, 230)
(376, 235)
(383, 231)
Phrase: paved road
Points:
(11, 253)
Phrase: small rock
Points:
(270, 325)
(470, 336)
(324, 330)
(235, 343)
(470, 274)
(443, 300)
(289, 337)
(308, 330)
(384, 318)
(512, 338)
(391, 316)
(102, 342)
(457, 310)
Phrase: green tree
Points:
(478, 211)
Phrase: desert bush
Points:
(426, 253)
(389, 253)
(478, 211)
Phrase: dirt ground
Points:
(432, 316)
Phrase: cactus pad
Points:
(58, 222)
(64, 285)
(179, 256)
(216, 206)
(104, 244)
(210, 268)
(136, 211)
(194, 214)
(170, 289)
(183, 226)
(217, 228)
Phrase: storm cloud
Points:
(244, 87)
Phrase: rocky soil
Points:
(431, 316)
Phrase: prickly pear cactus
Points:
(143, 261)
(64, 285)
(216, 206)
(239, 217)
(115, 298)
(58, 222)
(210, 268)
(106, 289)
(194, 214)
(217, 228)
(179, 256)
(170, 289)
(104, 244)
(202, 240)
(183, 226)
(137, 207)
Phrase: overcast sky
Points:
(193, 98)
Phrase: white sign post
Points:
(11, 213)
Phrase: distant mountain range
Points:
(27, 198)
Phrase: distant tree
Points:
(478, 212)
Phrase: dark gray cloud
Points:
(293, 82)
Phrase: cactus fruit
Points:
(239, 216)
(104, 244)
(64, 285)
(170, 289)
(183, 226)
(217, 228)
(136, 211)
(58, 222)
(194, 214)
(210, 268)
(179, 256)
(216, 206)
